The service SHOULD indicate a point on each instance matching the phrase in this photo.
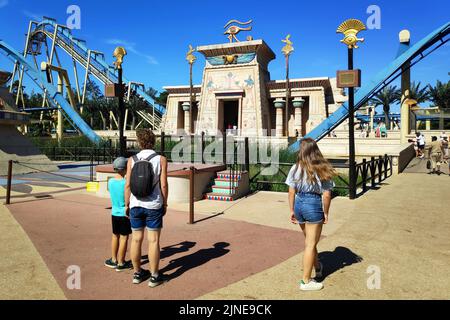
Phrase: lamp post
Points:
(190, 57)
(287, 50)
(350, 29)
(119, 53)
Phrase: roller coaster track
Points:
(95, 63)
(408, 57)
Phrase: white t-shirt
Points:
(155, 200)
(421, 140)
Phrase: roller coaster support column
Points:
(405, 88)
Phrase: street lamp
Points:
(287, 50)
(190, 57)
(119, 53)
(351, 79)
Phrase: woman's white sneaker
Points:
(312, 285)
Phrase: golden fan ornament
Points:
(350, 29)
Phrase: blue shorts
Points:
(308, 208)
(143, 217)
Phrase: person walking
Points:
(444, 140)
(146, 194)
(310, 184)
(435, 153)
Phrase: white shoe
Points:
(312, 285)
(319, 273)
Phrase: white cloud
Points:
(32, 15)
(131, 47)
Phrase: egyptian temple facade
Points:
(238, 94)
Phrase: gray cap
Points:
(120, 163)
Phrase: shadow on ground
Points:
(336, 260)
(195, 259)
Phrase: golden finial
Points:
(119, 53)
(350, 29)
(190, 57)
(234, 29)
(288, 48)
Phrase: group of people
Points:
(437, 150)
(139, 193)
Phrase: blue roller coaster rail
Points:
(406, 55)
(56, 99)
(97, 61)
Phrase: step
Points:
(225, 182)
(220, 197)
(223, 190)
(226, 175)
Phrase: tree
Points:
(417, 93)
(440, 95)
(386, 97)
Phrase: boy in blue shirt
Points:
(121, 227)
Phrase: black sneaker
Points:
(156, 281)
(141, 276)
(127, 265)
(110, 263)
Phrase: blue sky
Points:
(157, 33)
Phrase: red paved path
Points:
(75, 230)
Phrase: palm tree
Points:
(417, 93)
(387, 96)
(440, 96)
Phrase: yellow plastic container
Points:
(92, 186)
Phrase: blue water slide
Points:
(55, 98)
(66, 35)
(383, 78)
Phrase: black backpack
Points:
(142, 175)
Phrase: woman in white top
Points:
(310, 180)
(147, 211)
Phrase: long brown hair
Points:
(312, 162)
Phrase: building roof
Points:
(258, 46)
(300, 83)
(182, 89)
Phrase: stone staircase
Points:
(229, 188)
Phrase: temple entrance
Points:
(229, 116)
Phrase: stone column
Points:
(279, 105)
(298, 105)
(187, 118)
(405, 88)
(60, 124)
(427, 122)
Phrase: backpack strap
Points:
(135, 158)
(150, 157)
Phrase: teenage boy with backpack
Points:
(146, 194)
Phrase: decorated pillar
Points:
(279, 104)
(298, 105)
(187, 117)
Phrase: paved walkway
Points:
(241, 250)
(418, 165)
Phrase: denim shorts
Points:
(308, 208)
(143, 217)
